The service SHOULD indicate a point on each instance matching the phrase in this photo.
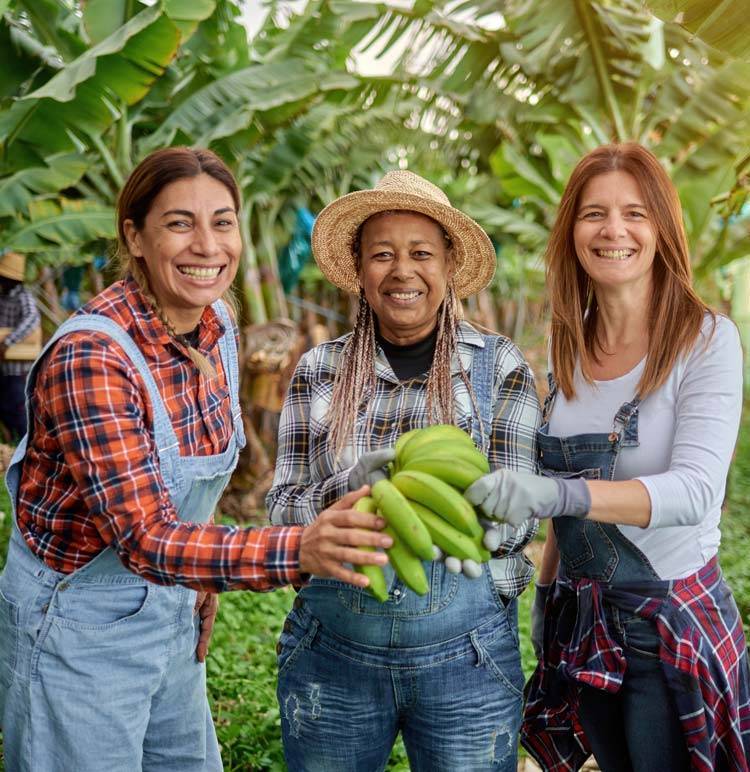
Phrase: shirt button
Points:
(397, 592)
(63, 586)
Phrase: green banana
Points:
(406, 564)
(466, 454)
(429, 434)
(377, 587)
(454, 471)
(401, 517)
(450, 540)
(403, 439)
(441, 498)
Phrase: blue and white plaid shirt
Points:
(308, 477)
(19, 312)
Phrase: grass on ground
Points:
(242, 659)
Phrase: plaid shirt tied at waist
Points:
(703, 655)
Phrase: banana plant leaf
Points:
(724, 24)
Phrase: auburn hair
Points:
(676, 312)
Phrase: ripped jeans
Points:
(456, 702)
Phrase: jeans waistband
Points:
(407, 657)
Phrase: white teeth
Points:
(199, 273)
(614, 254)
(404, 295)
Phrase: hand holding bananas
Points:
(343, 533)
(427, 516)
(370, 468)
(514, 497)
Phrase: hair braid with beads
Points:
(355, 379)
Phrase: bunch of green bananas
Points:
(424, 507)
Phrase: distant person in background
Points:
(19, 318)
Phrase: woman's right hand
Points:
(334, 538)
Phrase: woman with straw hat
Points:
(443, 668)
(108, 595)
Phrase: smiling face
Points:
(614, 236)
(404, 270)
(190, 247)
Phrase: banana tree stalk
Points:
(273, 294)
(124, 147)
(248, 276)
(109, 160)
(600, 68)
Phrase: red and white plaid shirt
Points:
(703, 655)
(91, 474)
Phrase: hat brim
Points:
(336, 226)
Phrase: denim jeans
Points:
(637, 729)
(457, 702)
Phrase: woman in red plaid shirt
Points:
(643, 658)
(109, 592)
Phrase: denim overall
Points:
(443, 668)
(594, 550)
(98, 668)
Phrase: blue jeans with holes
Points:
(456, 699)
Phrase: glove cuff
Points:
(574, 498)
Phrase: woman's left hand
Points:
(514, 497)
(206, 605)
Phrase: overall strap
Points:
(164, 436)
(230, 361)
(549, 400)
(625, 423)
(482, 383)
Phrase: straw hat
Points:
(12, 266)
(336, 226)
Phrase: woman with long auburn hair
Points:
(108, 595)
(642, 655)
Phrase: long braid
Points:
(355, 378)
(200, 360)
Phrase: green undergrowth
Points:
(242, 658)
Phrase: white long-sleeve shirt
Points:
(687, 430)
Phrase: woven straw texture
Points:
(336, 226)
(13, 266)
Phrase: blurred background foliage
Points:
(492, 101)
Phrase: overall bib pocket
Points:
(100, 607)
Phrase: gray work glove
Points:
(370, 468)
(541, 592)
(514, 497)
(453, 565)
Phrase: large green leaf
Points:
(724, 24)
(63, 224)
(85, 95)
(229, 104)
(18, 190)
